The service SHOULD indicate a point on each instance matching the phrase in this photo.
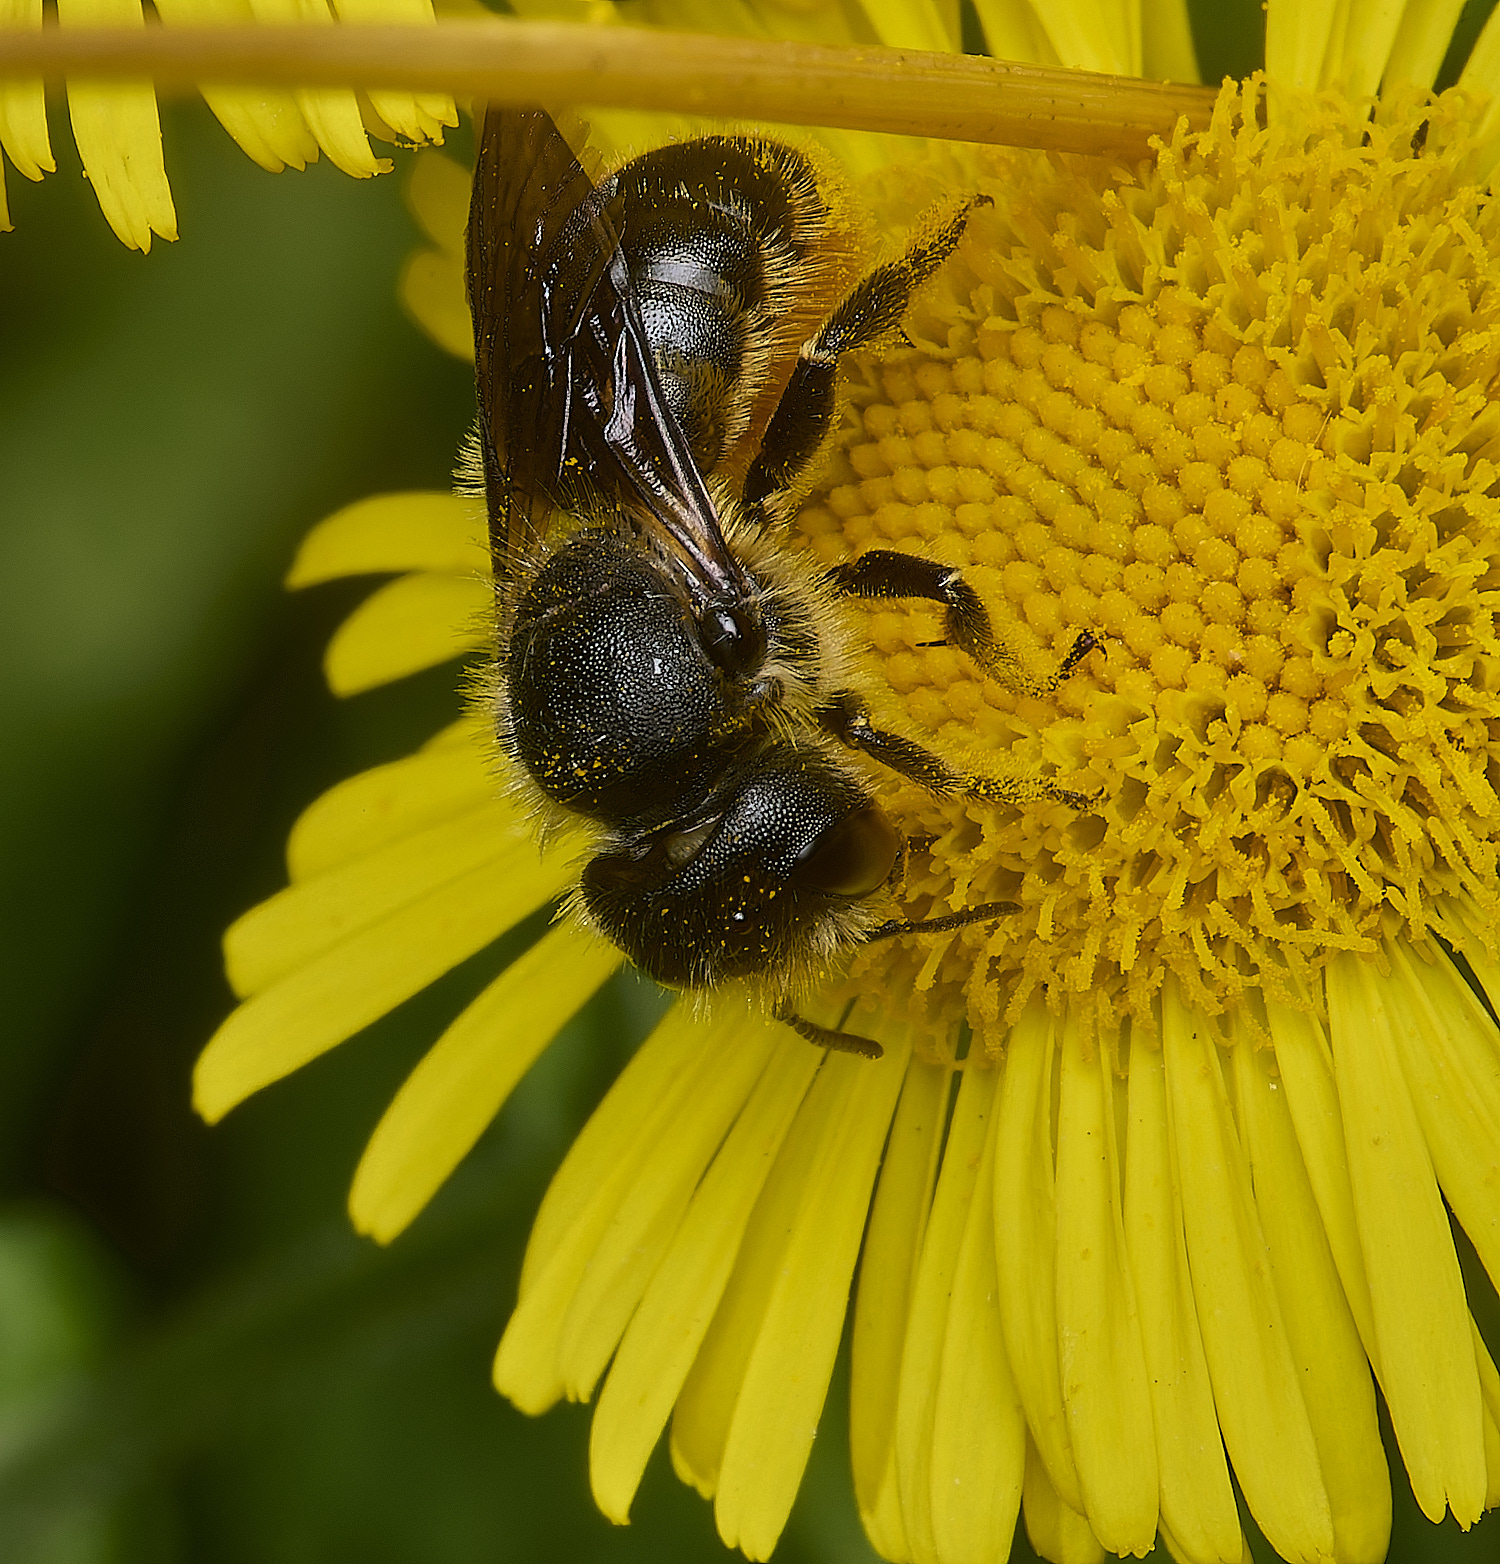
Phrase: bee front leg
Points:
(847, 720)
(966, 624)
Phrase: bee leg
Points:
(882, 572)
(847, 720)
(826, 1037)
(983, 913)
(873, 309)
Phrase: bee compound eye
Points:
(852, 857)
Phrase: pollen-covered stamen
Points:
(1238, 420)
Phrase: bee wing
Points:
(569, 398)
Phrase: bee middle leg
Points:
(872, 309)
(882, 572)
(846, 719)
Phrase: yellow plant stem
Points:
(904, 91)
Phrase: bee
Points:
(669, 671)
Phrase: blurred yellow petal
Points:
(409, 624)
(887, 1273)
(1104, 1385)
(432, 289)
(448, 1101)
(1421, 1316)
(422, 531)
(678, 1306)
(119, 136)
(1197, 1501)
(1256, 1383)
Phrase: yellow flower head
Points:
(1152, 1185)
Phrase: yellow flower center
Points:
(1235, 417)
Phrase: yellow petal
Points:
(1026, 1243)
(1104, 1383)
(915, 24)
(266, 122)
(973, 1456)
(1167, 52)
(1368, 36)
(1297, 38)
(437, 191)
(1306, 1065)
(1197, 1501)
(1256, 1390)
(422, 530)
(1337, 1391)
(653, 1206)
(1450, 1050)
(1489, 1386)
(409, 624)
(1094, 35)
(418, 116)
(1481, 74)
(448, 1101)
(332, 113)
(1428, 1373)
(1056, 1532)
(931, 1297)
(309, 919)
(119, 136)
(667, 1329)
(1421, 42)
(657, 1086)
(750, 1407)
(887, 1270)
(23, 109)
(365, 812)
(1014, 31)
(432, 288)
(358, 981)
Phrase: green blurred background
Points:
(198, 1360)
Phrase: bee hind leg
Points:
(872, 309)
(846, 719)
(884, 572)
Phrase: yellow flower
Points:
(1151, 1186)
